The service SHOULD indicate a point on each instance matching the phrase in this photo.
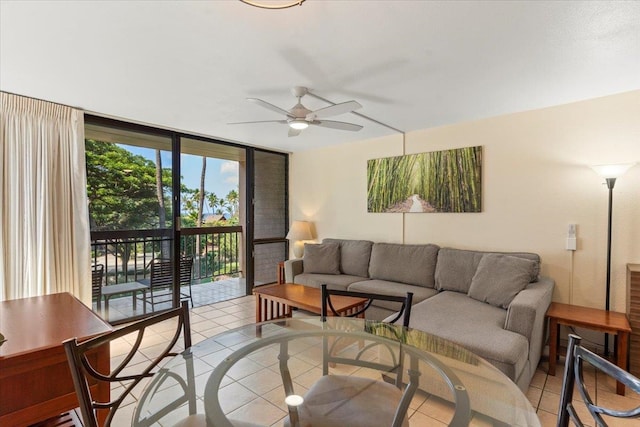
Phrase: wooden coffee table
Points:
(276, 301)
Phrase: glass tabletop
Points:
(269, 374)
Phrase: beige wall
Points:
(535, 182)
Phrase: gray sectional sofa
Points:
(491, 303)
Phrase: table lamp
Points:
(299, 231)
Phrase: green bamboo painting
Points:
(438, 181)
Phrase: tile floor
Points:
(543, 393)
(203, 294)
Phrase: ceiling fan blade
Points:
(336, 125)
(294, 132)
(269, 106)
(259, 121)
(334, 110)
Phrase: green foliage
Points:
(228, 206)
(121, 188)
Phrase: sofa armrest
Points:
(526, 312)
(292, 267)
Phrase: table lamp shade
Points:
(299, 231)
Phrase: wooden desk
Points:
(35, 382)
(591, 318)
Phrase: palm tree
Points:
(162, 212)
(214, 201)
(201, 194)
(232, 201)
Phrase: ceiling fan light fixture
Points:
(298, 124)
(273, 4)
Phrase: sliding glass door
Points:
(130, 191)
(176, 216)
(212, 221)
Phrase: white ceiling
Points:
(189, 65)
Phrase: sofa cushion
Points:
(322, 259)
(333, 281)
(477, 326)
(500, 278)
(354, 256)
(456, 267)
(411, 264)
(374, 286)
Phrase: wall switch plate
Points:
(571, 238)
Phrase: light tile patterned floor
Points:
(210, 320)
(203, 294)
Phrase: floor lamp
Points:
(610, 173)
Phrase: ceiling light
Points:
(298, 124)
(274, 4)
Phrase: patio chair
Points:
(160, 281)
(353, 400)
(97, 275)
(573, 378)
(130, 371)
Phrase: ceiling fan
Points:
(299, 117)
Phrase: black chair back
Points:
(161, 274)
(97, 275)
(573, 378)
(405, 301)
(86, 375)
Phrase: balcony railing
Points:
(126, 254)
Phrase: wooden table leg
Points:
(553, 345)
(259, 314)
(623, 342)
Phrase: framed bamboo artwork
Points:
(437, 181)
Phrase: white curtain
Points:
(44, 219)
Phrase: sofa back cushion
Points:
(354, 256)
(322, 259)
(500, 278)
(411, 264)
(456, 267)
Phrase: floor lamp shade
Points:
(610, 173)
(299, 231)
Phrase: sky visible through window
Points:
(220, 178)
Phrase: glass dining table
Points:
(261, 374)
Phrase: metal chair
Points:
(405, 301)
(363, 401)
(97, 275)
(160, 281)
(86, 376)
(186, 271)
(573, 378)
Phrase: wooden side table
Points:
(591, 318)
